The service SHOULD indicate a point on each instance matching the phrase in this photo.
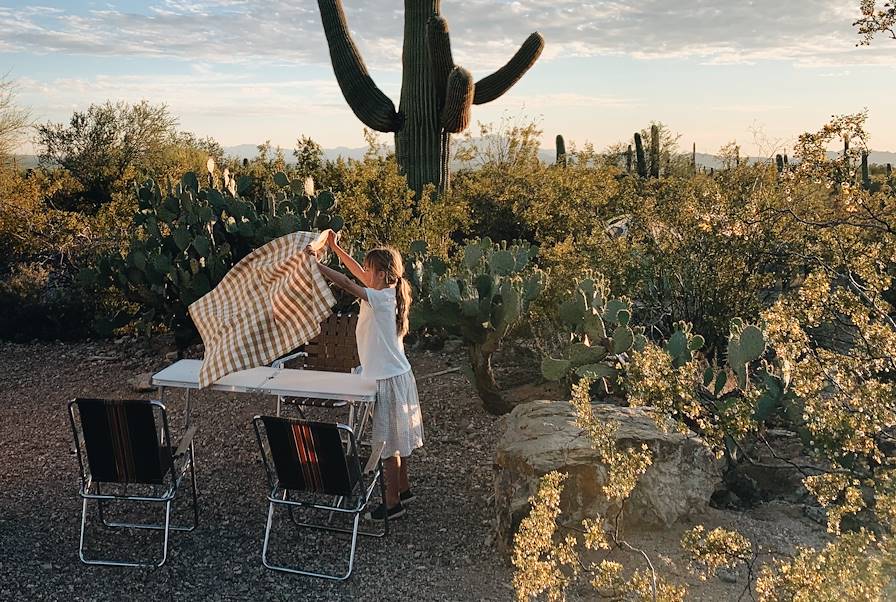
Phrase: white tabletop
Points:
(322, 385)
(272, 381)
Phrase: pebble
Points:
(727, 575)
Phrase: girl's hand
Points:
(331, 238)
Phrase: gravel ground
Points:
(442, 549)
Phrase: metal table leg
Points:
(161, 391)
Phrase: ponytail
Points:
(389, 260)
(402, 305)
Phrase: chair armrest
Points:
(185, 442)
(282, 361)
(375, 452)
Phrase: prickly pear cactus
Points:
(599, 333)
(480, 298)
(185, 238)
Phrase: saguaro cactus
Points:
(436, 94)
(654, 151)
(866, 177)
(641, 162)
(561, 151)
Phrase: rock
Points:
(542, 436)
(142, 383)
(171, 356)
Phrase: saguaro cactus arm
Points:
(458, 101)
(495, 85)
(366, 100)
(438, 44)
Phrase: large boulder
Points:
(542, 436)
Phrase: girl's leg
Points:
(392, 468)
(403, 484)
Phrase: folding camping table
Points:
(358, 391)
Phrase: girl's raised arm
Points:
(348, 261)
(340, 279)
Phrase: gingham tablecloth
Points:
(271, 302)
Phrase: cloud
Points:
(484, 32)
(202, 93)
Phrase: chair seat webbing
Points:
(309, 456)
(122, 441)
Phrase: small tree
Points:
(876, 20)
(13, 119)
(309, 156)
(104, 148)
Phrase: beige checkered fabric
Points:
(271, 302)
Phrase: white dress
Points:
(396, 416)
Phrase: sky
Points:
(758, 72)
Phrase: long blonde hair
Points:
(388, 260)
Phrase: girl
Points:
(385, 299)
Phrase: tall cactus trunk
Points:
(654, 151)
(866, 177)
(561, 151)
(641, 161)
(421, 150)
(484, 379)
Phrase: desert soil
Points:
(443, 549)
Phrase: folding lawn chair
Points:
(130, 458)
(308, 462)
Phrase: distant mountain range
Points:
(248, 151)
(548, 155)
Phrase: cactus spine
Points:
(561, 151)
(639, 154)
(436, 95)
(654, 151)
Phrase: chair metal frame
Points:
(91, 489)
(368, 478)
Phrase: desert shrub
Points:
(106, 147)
(41, 249)
(380, 209)
(819, 361)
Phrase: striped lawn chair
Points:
(307, 464)
(129, 457)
